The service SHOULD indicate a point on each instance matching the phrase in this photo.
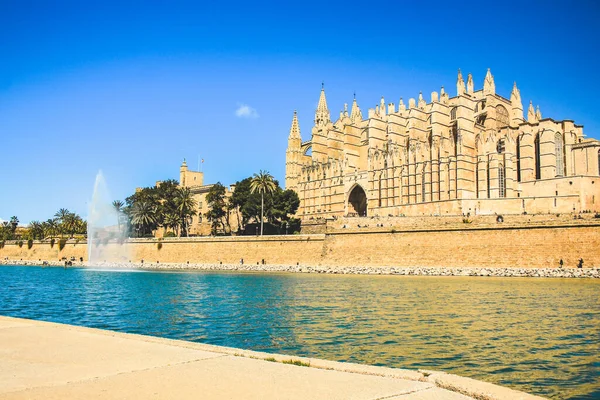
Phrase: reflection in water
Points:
(537, 335)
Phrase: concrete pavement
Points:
(42, 360)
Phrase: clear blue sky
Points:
(133, 87)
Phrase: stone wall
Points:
(537, 246)
(483, 247)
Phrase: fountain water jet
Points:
(106, 235)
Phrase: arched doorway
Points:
(357, 202)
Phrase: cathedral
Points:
(476, 153)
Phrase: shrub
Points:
(29, 243)
(1, 244)
(52, 241)
(466, 221)
(61, 244)
(170, 234)
(159, 245)
(20, 243)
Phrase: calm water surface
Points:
(537, 335)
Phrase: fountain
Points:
(106, 232)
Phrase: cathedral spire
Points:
(489, 87)
(295, 128)
(322, 117)
(355, 114)
(517, 105)
(470, 85)
(538, 114)
(460, 84)
(422, 103)
(401, 105)
(531, 113)
(515, 95)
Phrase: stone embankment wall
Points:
(504, 247)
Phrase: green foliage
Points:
(52, 241)
(67, 222)
(216, 207)
(296, 362)
(170, 234)
(29, 243)
(165, 204)
(20, 243)
(2, 244)
(279, 206)
(159, 245)
(61, 244)
(6, 231)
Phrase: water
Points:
(537, 335)
(104, 225)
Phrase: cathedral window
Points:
(453, 114)
(538, 167)
(423, 184)
(560, 157)
(457, 139)
(488, 178)
(501, 117)
(480, 106)
(501, 181)
(518, 159)
(501, 146)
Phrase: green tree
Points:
(50, 227)
(262, 183)
(118, 206)
(186, 206)
(36, 230)
(215, 199)
(171, 220)
(6, 232)
(14, 222)
(143, 216)
(62, 216)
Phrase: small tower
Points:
(382, 107)
(470, 85)
(401, 105)
(293, 155)
(460, 84)
(189, 178)
(443, 96)
(538, 114)
(516, 106)
(422, 103)
(182, 173)
(322, 116)
(489, 87)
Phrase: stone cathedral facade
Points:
(475, 153)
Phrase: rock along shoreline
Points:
(335, 270)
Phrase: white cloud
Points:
(245, 111)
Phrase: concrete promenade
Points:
(42, 360)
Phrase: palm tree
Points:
(61, 216)
(118, 206)
(143, 214)
(50, 227)
(36, 230)
(186, 206)
(262, 183)
(172, 221)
